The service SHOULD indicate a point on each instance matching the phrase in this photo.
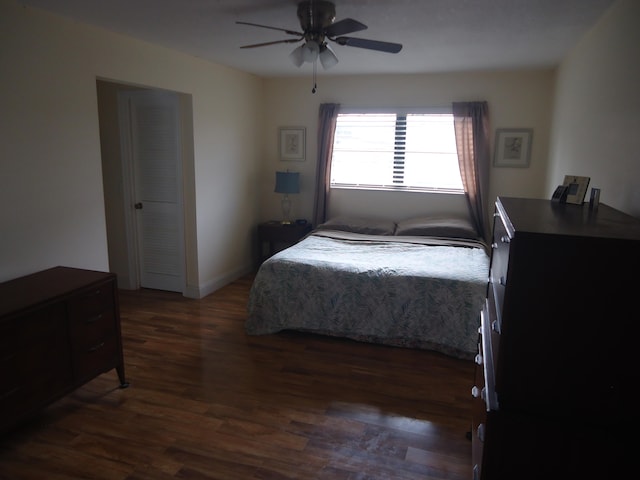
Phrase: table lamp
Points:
(286, 183)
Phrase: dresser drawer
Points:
(485, 360)
(94, 342)
(478, 417)
(494, 321)
(499, 261)
(91, 302)
(87, 330)
(91, 359)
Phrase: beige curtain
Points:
(471, 120)
(326, 131)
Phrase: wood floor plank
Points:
(207, 401)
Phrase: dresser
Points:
(558, 344)
(59, 328)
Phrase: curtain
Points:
(471, 121)
(326, 131)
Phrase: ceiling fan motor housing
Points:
(314, 17)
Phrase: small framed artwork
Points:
(513, 147)
(576, 188)
(292, 143)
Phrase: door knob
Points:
(138, 206)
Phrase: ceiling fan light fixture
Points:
(297, 56)
(328, 59)
(310, 51)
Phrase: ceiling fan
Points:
(317, 21)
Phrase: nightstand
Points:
(278, 236)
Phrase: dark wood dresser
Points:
(59, 328)
(556, 369)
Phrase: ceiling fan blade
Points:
(369, 44)
(288, 40)
(290, 32)
(342, 27)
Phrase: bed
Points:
(419, 283)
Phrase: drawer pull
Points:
(502, 281)
(495, 326)
(481, 432)
(505, 239)
(475, 392)
(479, 359)
(90, 295)
(96, 347)
(94, 319)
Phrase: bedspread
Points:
(405, 291)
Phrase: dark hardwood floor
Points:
(207, 401)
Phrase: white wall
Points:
(596, 123)
(516, 99)
(51, 199)
(51, 194)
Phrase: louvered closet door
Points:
(158, 196)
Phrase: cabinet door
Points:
(35, 364)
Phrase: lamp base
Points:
(286, 209)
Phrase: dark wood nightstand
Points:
(278, 236)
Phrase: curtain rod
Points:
(411, 109)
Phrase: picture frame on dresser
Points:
(576, 188)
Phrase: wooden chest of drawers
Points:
(59, 328)
(556, 375)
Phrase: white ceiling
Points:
(437, 35)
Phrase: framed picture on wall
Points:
(292, 143)
(513, 147)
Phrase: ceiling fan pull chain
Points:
(315, 69)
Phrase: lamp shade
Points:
(287, 182)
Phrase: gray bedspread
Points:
(415, 292)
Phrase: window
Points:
(396, 151)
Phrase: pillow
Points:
(437, 226)
(359, 225)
